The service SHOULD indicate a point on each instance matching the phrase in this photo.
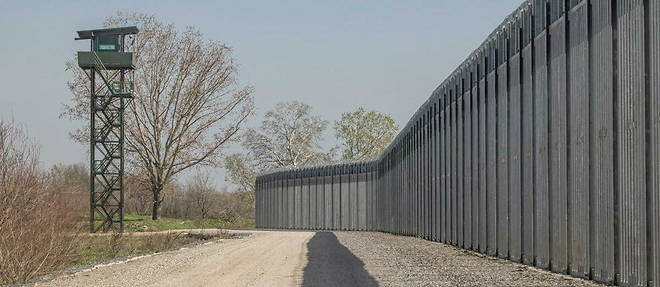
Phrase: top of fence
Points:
(530, 19)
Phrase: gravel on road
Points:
(407, 261)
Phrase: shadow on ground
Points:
(329, 263)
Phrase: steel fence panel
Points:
(541, 168)
(405, 185)
(291, 201)
(528, 189)
(268, 202)
(578, 170)
(329, 197)
(353, 197)
(467, 161)
(312, 200)
(475, 152)
(362, 199)
(345, 210)
(435, 172)
(558, 176)
(413, 181)
(452, 162)
(653, 69)
(336, 198)
(602, 136)
(305, 199)
(491, 148)
(298, 200)
(502, 152)
(514, 141)
(258, 207)
(418, 177)
(631, 143)
(445, 169)
(272, 203)
(459, 164)
(430, 176)
(483, 238)
(420, 174)
(265, 203)
(320, 199)
(268, 210)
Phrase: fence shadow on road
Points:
(329, 263)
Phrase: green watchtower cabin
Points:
(109, 45)
(108, 63)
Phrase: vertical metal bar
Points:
(459, 163)
(452, 162)
(541, 161)
(578, 135)
(653, 82)
(92, 150)
(433, 165)
(467, 161)
(482, 152)
(502, 116)
(329, 198)
(426, 175)
(491, 149)
(528, 143)
(122, 108)
(353, 206)
(558, 176)
(515, 140)
(631, 143)
(362, 198)
(475, 152)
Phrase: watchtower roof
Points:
(89, 34)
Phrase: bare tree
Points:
(201, 190)
(289, 136)
(187, 104)
(364, 134)
(74, 180)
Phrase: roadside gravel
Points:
(406, 261)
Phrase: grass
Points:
(94, 249)
(143, 223)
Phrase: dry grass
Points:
(101, 247)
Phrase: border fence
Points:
(542, 147)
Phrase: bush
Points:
(38, 228)
(200, 198)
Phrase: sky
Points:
(336, 56)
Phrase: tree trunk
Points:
(155, 210)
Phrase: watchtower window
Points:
(109, 43)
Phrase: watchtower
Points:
(108, 66)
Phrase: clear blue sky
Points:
(335, 55)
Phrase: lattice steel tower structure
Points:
(108, 66)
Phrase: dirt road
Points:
(293, 258)
(263, 259)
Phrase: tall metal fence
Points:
(543, 147)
